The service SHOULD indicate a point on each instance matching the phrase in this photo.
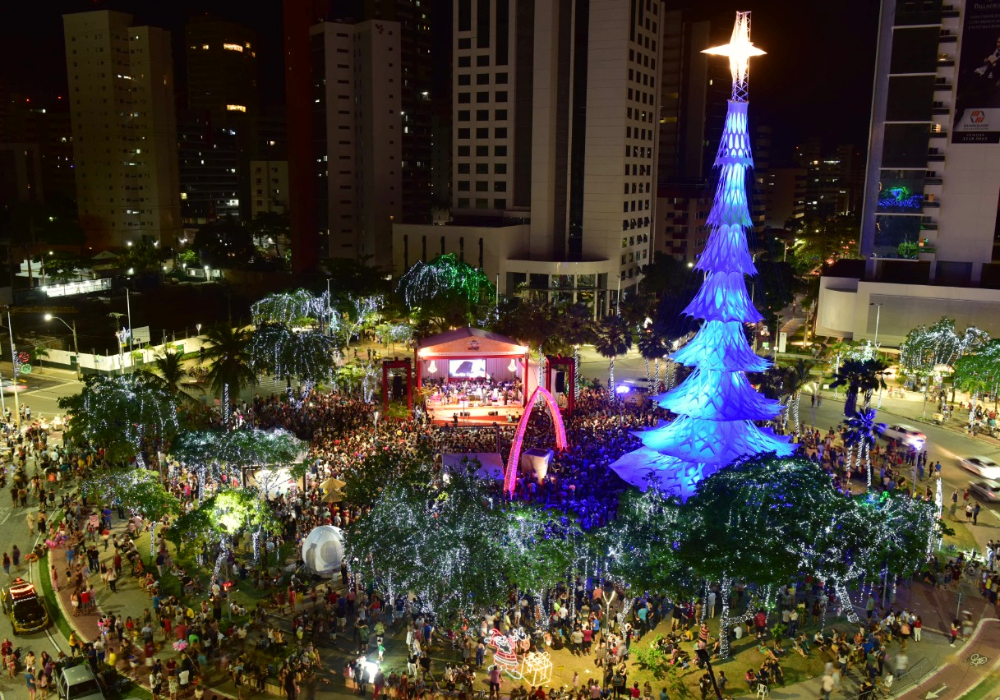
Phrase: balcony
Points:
(928, 224)
(932, 204)
(939, 109)
(945, 61)
(942, 84)
(947, 37)
(933, 156)
(949, 11)
(934, 181)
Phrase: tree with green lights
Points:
(120, 413)
(139, 491)
(447, 288)
(230, 363)
(215, 520)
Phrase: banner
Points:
(977, 103)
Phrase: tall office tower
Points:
(121, 93)
(298, 17)
(222, 104)
(221, 69)
(929, 232)
(209, 157)
(357, 134)
(416, 92)
(693, 104)
(555, 111)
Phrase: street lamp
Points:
(878, 316)
(76, 350)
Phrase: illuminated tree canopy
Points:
(446, 287)
(119, 412)
(245, 448)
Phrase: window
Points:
(482, 97)
(500, 151)
(463, 115)
(464, 98)
(501, 115)
(465, 61)
(501, 132)
(501, 79)
(500, 169)
(463, 203)
(463, 151)
(482, 151)
(465, 43)
(464, 79)
(463, 133)
(499, 203)
(463, 168)
(483, 61)
(482, 115)
(482, 133)
(501, 96)
(499, 186)
(482, 186)
(482, 79)
(482, 168)
(463, 185)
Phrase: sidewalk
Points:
(129, 600)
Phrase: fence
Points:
(91, 363)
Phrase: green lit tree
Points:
(979, 373)
(282, 352)
(140, 491)
(447, 288)
(216, 519)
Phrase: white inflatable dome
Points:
(323, 550)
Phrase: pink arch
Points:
(510, 475)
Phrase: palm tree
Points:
(859, 376)
(614, 338)
(797, 376)
(230, 363)
(861, 433)
(651, 347)
(170, 370)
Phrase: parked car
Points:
(983, 466)
(988, 490)
(22, 605)
(78, 683)
(906, 434)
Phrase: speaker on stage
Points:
(397, 387)
(560, 382)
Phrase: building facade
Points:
(555, 126)
(929, 232)
(357, 129)
(269, 183)
(121, 95)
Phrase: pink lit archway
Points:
(510, 475)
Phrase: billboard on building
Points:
(977, 104)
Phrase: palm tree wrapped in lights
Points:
(860, 439)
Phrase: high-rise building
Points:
(357, 135)
(269, 179)
(929, 229)
(416, 93)
(828, 177)
(209, 160)
(121, 95)
(555, 134)
(45, 125)
(221, 59)
(784, 196)
(693, 105)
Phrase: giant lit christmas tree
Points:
(716, 405)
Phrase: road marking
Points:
(936, 693)
(977, 660)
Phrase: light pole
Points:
(76, 350)
(878, 316)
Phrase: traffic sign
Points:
(25, 369)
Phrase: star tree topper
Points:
(739, 50)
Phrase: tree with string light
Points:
(979, 373)
(120, 414)
(862, 430)
(613, 339)
(447, 288)
(863, 377)
(230, 363)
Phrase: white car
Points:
(989, 491)
(983, 466)
(906, 434)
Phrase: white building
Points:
(930, 231)
(357, 96)
(555, 108)
(268, 187)
(121, 92)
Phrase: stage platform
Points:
(474, 415)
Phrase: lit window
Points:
(204, 47)
(234, 47)
(236, 108)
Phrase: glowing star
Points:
(739, 50)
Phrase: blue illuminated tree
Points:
(716, 405)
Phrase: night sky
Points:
(815, 80)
